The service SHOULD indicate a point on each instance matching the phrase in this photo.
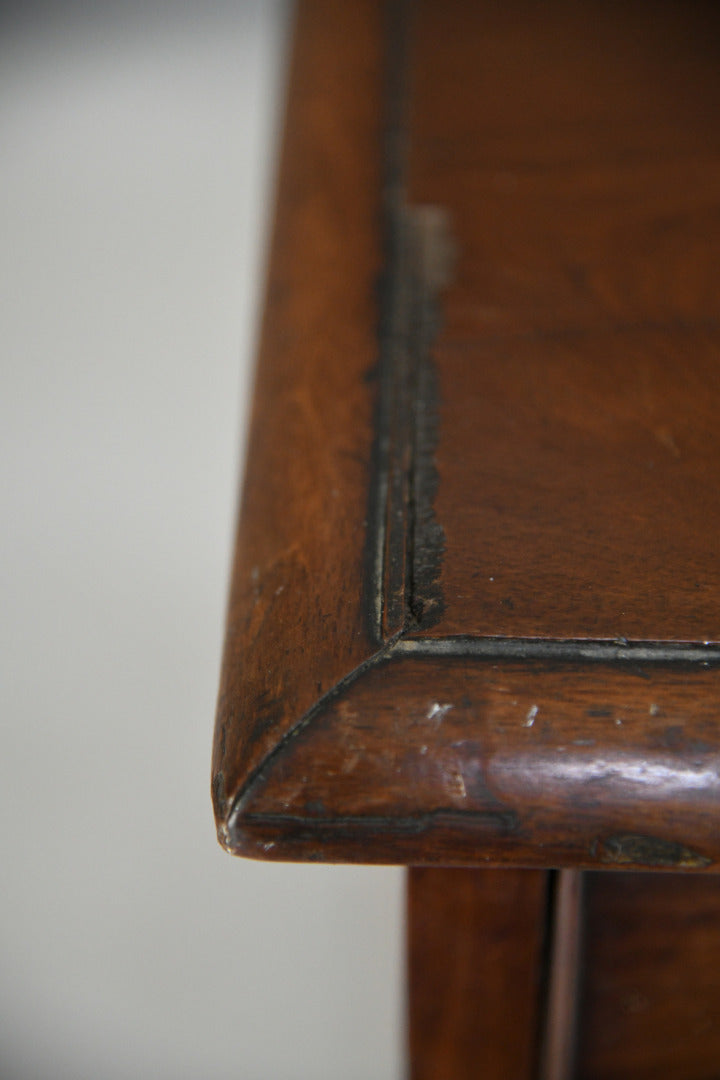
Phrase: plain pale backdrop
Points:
(135, 182)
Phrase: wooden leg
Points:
(506, 965)
(650, 978)
(477, 946)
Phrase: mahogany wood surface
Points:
(650, 1007)
(475, 946)
(528, 764)
(295, 623)
(569, 976)
(474, 609)
(473, 616)
(576, 149)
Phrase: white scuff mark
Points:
(530, 717)
(654, 709)
(618, 721)
(279, 589)
(423, 750)
(268, 846)
(438, 712)
(455, 783)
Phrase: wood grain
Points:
(445, 761)
(296, 621)
(651, 982)
(475, 948)
(577, 483)
(525, 459)
(576, 148)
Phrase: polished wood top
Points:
(474, 611)
(576, 150)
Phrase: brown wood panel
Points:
(296, 622)
(475, 950)
(442, 760)
(578, 486)
(426, 515)
(651, 995)
(576, 148)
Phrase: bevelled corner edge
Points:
(236, 828)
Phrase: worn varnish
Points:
(440, 761)
(474, 610)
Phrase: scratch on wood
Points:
(651, 851)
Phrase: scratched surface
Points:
(527, 764)
(560, 484)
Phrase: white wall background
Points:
(135, 163)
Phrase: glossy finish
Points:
(473, 616)
(296, 622)
(440, 761)
(474, 608)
